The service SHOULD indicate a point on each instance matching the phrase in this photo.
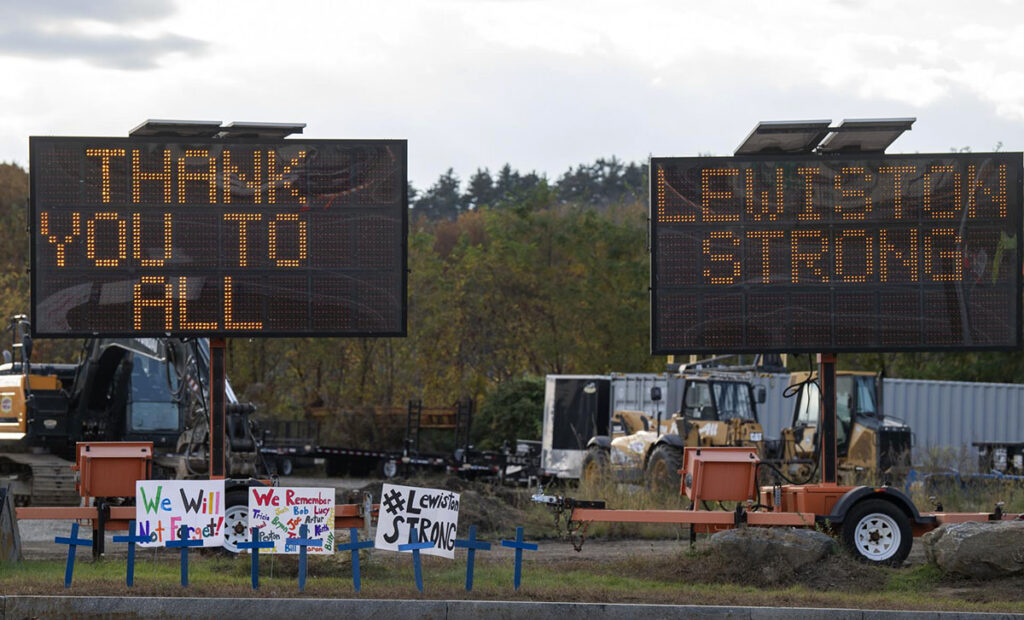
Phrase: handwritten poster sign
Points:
(279, 513)
(433, 512)
(163, 506)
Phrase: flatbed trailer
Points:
(387, 463)
(301, 443)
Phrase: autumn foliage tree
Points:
(511, 278)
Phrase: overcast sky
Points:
(543, 85)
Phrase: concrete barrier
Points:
(12, 607)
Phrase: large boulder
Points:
(977, 549)
(773, 546)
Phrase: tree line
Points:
(512, 276)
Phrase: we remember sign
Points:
(162, 507)
(433, 512)
(279, 513)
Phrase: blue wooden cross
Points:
(472, 544)
(72, 543)
(184, 543)
(519, 546)
(131, 538)
(415, 548)
(355, 546)
(255, 544)
(303, 542)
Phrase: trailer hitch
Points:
(563, 504)
(567, 503)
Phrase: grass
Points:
(673, 574)
(628, 497)
(953, 483)
(679, 577)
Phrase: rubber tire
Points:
(236, 499)
(595, 465)
(865, 509)
(663, 467)
(285, 467)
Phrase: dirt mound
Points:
(836, 572)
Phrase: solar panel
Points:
(865, 135)
(184, 129)
(784, 137)
(261, 130)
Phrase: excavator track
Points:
(40, 479)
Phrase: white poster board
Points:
(433, 512)
(279, 512)
(163, 506)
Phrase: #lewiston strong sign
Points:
(433, 512)
(849, 252)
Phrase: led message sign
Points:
(828, 254)
(155, 236)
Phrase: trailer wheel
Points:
(877, 532)
(285, 467)
(663, 468)
(236, 519)
(595, 465)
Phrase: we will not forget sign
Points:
(433, 512)
(163, 507)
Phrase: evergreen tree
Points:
(480, 191)
(441, 200)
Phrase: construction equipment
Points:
(875, 523)
(715, 409)
(870, 447)
(130, 389)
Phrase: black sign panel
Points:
(169, 236)
(838, 253)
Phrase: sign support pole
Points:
(217, 416)
(827, 375)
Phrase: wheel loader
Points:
(714, 410)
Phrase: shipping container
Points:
(956, 414)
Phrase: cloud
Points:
(95, 32)
(113, 11)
